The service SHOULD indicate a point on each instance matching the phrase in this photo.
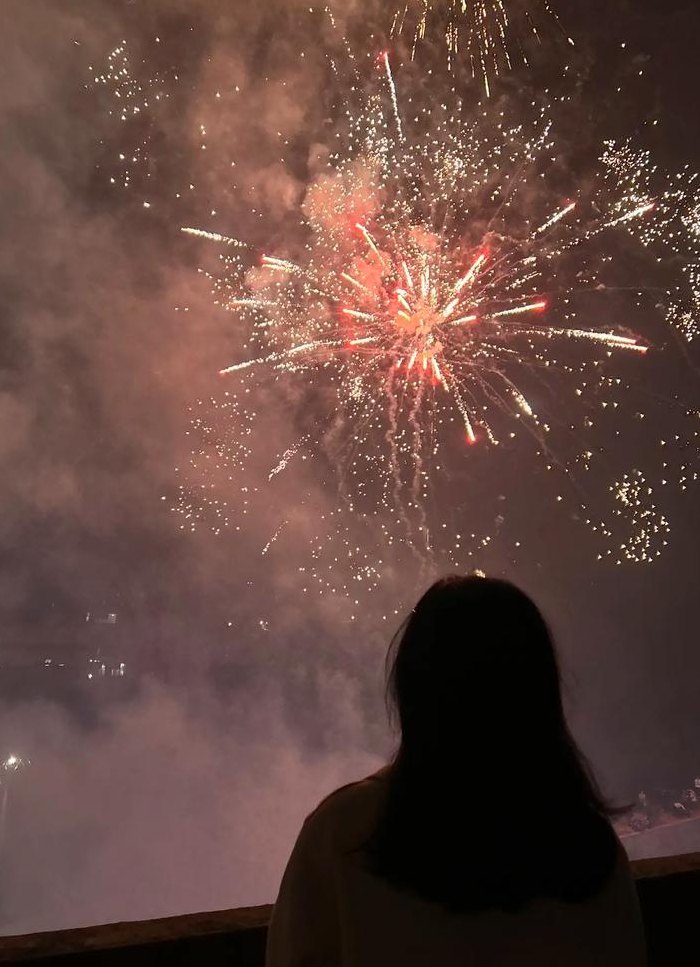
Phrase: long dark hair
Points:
(489, 802)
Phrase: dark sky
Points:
(98, 370)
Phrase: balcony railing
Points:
(669, 891)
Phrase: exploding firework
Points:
(449, 303)
(487, 34)
(439, 275)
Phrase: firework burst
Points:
(488, 34)
(450, 302)
(439, 275)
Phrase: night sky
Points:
(110, 338)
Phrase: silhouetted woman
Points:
(485, 842)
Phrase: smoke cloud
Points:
(166, 806)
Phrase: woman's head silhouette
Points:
(475, 664)
(489, 801)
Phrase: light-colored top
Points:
(331, 912)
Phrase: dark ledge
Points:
(235, 937)
(669, 890)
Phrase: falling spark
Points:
(519, 310)
(629, 216)
(557, 217)
(274, 537)
(394, 98)
(286, 457)
(213, 237)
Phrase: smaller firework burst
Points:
(672, 230)
(487, 34)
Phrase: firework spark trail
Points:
(287, 354)
(286, 457)
(274, 537)
(630, 216)
(213, 237)
(394, 99)
(556, 217)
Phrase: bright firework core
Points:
(416, 301)
(415, 298)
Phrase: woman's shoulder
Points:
(352, 795)
(350, 810)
